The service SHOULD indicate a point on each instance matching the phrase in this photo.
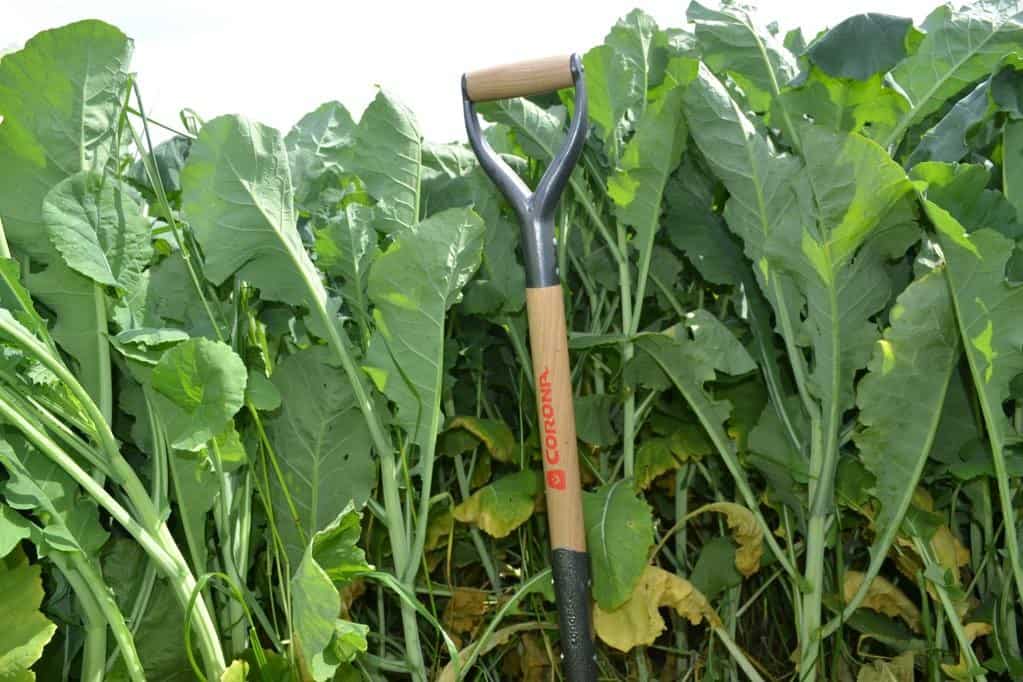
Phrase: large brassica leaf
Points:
(961, 46)
(989, 314)
(322, 446)
(412, 285)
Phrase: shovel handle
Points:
(520, 79)
(548, 343)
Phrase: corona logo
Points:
(551, 455)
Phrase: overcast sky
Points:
(235, 56)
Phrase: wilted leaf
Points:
(745, 530)
(465, 611)
(493, 433)
(899, 669)
(883, 597)
(961, 670)
(637, 621)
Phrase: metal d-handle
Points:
(535, 209)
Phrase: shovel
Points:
(548, 339)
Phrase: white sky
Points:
(275, 61)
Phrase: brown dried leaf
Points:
(898, 669)
(465, 610)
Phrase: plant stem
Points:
(474, 532)
(94, 651)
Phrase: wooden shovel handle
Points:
(519, 79)
(548, 342)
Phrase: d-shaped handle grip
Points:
(535, 209)
(520, 79)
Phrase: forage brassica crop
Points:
(266, 401)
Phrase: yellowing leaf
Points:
(884, 597)
(637, 622)
(502, 506)
(899, 669)
(24, 630)
(654, 457)
(493, 433)
(961, 670)
(438, 529)
(238, 671)
(745, 530)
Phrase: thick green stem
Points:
(152, 534)
(810, 646)
(94, 651)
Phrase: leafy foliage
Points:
(277, 387)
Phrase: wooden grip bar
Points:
(520, 79)
(549, 345)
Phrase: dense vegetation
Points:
(265, 405)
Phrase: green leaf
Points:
(989, 312)
(715, 570)
(81, 322)
(261, 392)
(238, 196)
(538, 130)
(157, 633)
(199, 385)
(316, 147)
(60, 99)
(716, 345)
(947, 140)
(98, 228)
(323, 640)
(70, 520)
(168, 158)
(322, 446)
(827, 227)
(732, 43)
(960, 46)
(618, 75)
(502, 506)
(346, 245)
(762, 206)
(870, 107)
(653, 152)
(24, 630)
(619, 534)
(387, 157)
(593, 419)
(336, 550)
(412, 285)
(13, 529)
(901, 399)
(861, 46)
(694, 227)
